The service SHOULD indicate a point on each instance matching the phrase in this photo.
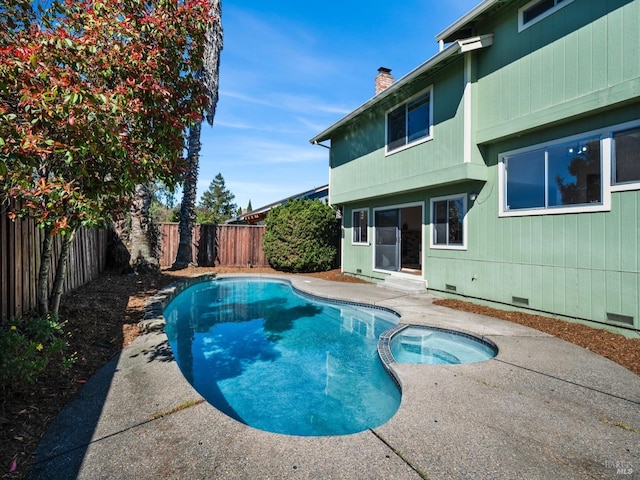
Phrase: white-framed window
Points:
(536, 10)
(570, 175)
(360, 227)
(449, 222)
(410, 123)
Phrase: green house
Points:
(506, 168)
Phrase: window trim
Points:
(607, 173)
(438, 246)
(353, 213)
(523, 26)
(622, 186)
(427, 137)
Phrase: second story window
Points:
(536, 10)
(410, 122)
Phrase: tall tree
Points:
(209, 75)
(94, 99)
(219, 201)
(140, 244)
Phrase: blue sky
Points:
(289, 69)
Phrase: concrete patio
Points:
(541, 409)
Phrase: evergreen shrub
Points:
(302, 236)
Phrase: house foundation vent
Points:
(451, 288)
(520, 301)
(616, 317)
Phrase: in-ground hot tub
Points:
(433, 345)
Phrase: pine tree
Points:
(249, 207)
(219, 200)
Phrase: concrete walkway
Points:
(542, 409)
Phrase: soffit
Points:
(438, 61)
(465, 26)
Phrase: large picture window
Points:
(360, 226)
(560, 175)
(571, 175)
(410, 122)
(448, 222)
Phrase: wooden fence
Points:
(216, 245)
(20, 251)
(21, 244)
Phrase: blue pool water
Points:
(281, 361)
(437, 346)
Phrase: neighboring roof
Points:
(459, 46)
(465, 26)
(258, 214)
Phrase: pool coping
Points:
(154, 319)
(544, 409)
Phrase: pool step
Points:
(405, 284)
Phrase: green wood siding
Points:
(572, 63)
(576, 71)
(582, 265)
(360, 168)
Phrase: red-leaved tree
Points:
(95, 98)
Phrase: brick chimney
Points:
(384, 79)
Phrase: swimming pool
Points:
(282, 361)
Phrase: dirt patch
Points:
(102, 318)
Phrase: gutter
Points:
(457, 47)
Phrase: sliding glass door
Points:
(387, 255)
(398, 239)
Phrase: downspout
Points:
(315, 142)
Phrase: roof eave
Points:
(432, 62)
(466, 22)
(454, 48)
(467, 18)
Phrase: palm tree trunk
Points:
(188, 205)
(209, 76)
(140, 235)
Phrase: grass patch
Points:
(178, 408)
(621, 425)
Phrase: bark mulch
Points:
(102, 319)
